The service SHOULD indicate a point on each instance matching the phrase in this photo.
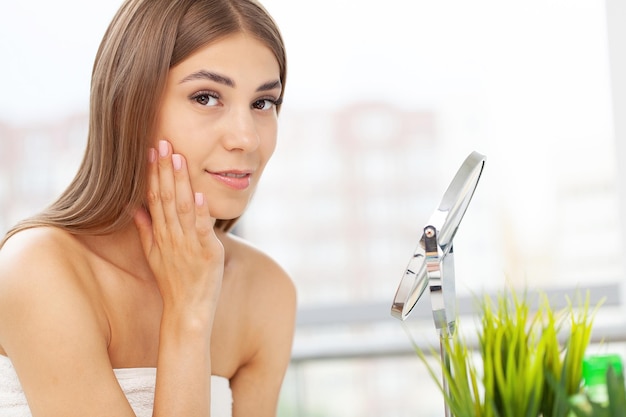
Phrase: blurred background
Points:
(384, 101)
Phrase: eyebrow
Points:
(271, 85)
(221, 79)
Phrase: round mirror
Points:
(445, 220)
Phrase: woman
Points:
(128, 296)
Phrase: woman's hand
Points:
(178, 238)
(187, 260)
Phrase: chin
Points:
(227, 211)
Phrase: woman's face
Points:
(219, 111)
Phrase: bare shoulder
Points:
(258, 285)
(51, 326)
(41, 274)
(32, 255)
(42, 235)
(259, 270)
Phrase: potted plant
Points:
(526, 363)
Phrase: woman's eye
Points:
(205, 99)
(264, 104)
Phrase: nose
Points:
(240, 131)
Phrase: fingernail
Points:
(177, 161)
(163, 148)
(199, 197)
(151, 155)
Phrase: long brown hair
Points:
(144, 40)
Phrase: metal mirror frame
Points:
(432, 263)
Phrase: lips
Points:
(237, 180)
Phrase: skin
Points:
(168, 291)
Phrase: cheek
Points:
(268, 144)
(172, 121)
(195, 180)
(269, 148)
(182, 132)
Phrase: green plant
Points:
(531, 361)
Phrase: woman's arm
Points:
(256, 385)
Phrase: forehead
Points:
(239, 56)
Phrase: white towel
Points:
(137, 384)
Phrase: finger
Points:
(167, 190)
(204, 221)
(144, 228)
(185, 204)
(152, 194)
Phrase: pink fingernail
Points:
(177, 161)
(151, 155)
(163, 148)
(199, 199)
